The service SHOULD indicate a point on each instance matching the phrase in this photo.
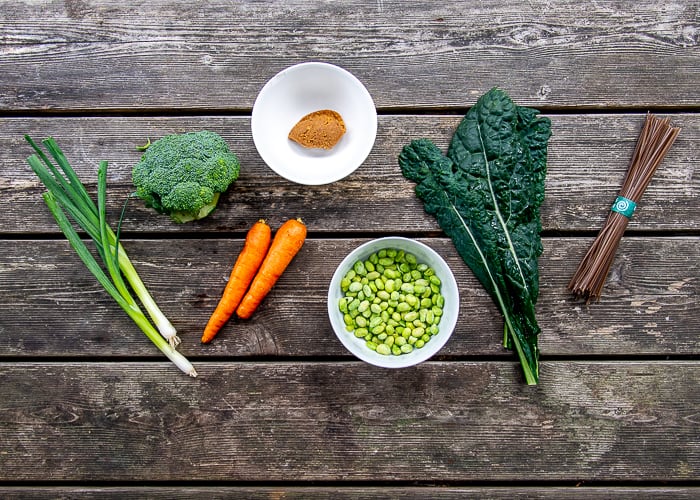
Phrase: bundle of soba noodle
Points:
(654, 141)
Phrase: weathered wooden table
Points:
(90, 409)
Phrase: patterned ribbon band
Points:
(624, 206)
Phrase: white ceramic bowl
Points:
(302, 89)
(424, 254)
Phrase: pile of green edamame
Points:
(392, 301)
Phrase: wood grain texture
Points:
(53, 307)
(90, 409)
(581, 492)
(348, 421)
(587, 160)
(162, 54)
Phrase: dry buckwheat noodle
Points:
(655, 139)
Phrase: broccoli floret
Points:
(182, 175)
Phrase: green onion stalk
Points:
(67, 195)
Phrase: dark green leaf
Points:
(486, 195)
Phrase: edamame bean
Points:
(410, 316)
(379, 328)
(382, 294)
(440, 301)
(402, 307)
(383, 349)
(361, 332)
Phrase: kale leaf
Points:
(486, 196)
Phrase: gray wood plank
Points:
(342, 492)
(161, 54)
(461, 421)
(279, 406)
(588, 157)
(52, 306)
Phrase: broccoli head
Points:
(182, 175)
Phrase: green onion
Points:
(72, 195)
(67, 195)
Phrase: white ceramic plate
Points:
(424, 254)
(302, 89)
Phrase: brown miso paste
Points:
(320, 129)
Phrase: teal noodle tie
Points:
(624, 206)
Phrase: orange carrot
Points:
(287, 243)
(257, 242)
